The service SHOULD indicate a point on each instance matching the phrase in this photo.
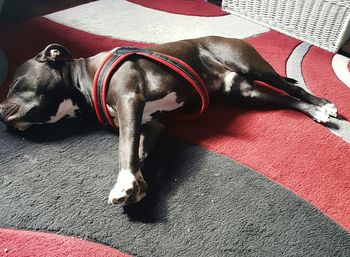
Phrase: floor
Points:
(24, 9)
(201, 196)
(18, 10)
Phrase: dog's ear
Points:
(54, 53)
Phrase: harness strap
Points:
(114, 59)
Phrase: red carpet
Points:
(18, 243)
(323, 81)
(285, 146)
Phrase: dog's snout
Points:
(8, 111)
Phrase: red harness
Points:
(114, 59)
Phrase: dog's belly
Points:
(167, 103)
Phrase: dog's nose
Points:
(8, 111)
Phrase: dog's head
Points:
(40, 90)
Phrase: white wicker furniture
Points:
(324, 23)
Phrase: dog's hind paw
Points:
(330, 109)
(321, 116)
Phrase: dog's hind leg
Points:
(250, 91)
(150, 134)
(242, 58)
(290, 86)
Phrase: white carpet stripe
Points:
(128, 21)
(294, 62)
(340, 66)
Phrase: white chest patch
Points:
(167, 103)
(66, 108)
(229, 79)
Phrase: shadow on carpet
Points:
(200, 203)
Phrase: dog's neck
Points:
(81, 80)
(82, 72)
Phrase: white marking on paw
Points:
(66, 108)
(330, 109)
(321, 116)
(123, 188)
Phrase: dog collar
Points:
(114, 59)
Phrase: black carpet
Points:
(200, 203)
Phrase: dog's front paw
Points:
(129, 188)
(125, 186)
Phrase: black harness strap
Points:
(114, 60)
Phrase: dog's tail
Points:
(290, 80)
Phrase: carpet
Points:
(239, 181)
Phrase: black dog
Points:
(52, 86)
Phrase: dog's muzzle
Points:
(7, 111)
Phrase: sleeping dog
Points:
(53, 85)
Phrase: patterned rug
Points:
(239, 181)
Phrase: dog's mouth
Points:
(17, 124)
(12, 117)
(21, 125)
